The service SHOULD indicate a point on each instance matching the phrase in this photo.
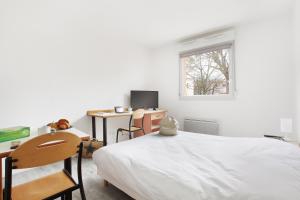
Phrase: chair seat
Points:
(43, 187)
(133, 129)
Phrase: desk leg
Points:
(68, 167)
(94, 127)
(104, 131)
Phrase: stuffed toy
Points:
(62, 124)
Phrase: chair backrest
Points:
(45, 149)
(138, 114)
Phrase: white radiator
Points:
(201, 126)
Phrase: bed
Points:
(192, 166)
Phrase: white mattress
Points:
(193, 166)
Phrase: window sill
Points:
(208, 97)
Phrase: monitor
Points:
(143, 99)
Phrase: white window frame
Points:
(203, 49)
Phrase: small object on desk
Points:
(61, 124)
(13, 133)
(119, 109)
(274, 137)
(52, 125)
(44, 129)
(15, 144)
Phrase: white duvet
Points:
(192, 166)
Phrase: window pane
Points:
(206, 73)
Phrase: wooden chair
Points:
(138, 114)
(44, 150)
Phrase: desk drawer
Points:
(157, 116)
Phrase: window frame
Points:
(204, 49)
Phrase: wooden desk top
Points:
(107, 113)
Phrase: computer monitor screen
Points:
(143, 99)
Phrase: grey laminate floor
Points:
(93, 183)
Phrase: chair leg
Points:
(68, 196)
(79, 172)
(82, 192)
(106, 183)
(144, 131)
(117, 139)
(129, 135)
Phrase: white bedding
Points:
(192, 166)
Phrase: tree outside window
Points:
(207, 71)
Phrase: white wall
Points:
(57, 64)
(55, 61)
(263, 79)
(297, 59)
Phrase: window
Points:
(207, 71)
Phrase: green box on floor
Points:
(13, 133)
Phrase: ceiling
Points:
(149, 22)
(153, 22)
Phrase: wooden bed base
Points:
(106, 184)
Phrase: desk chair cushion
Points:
(43, 187)
(132, 129)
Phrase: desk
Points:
(5, 148)
(110, 113)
